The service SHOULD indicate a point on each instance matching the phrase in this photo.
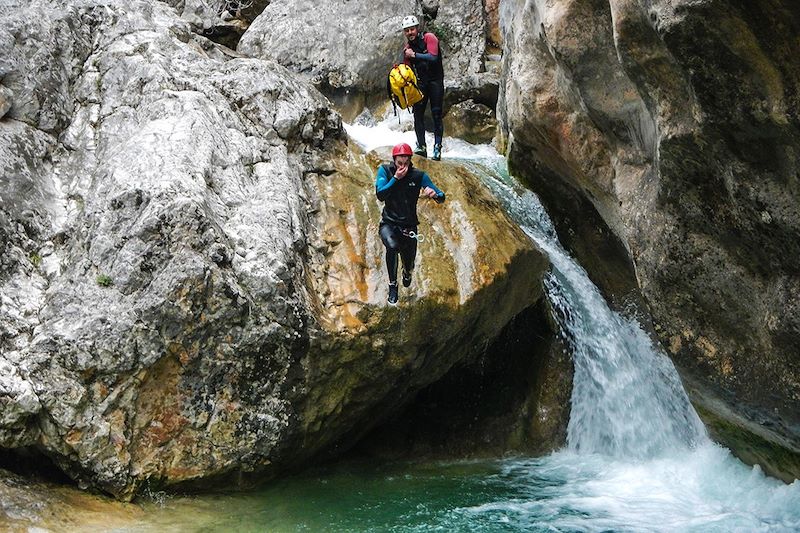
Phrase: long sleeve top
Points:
(400, 196)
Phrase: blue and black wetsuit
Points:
(399, 217)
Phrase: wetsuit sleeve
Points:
(432, 47)
(426, 182)
(426, 57)
(383, 183)
(431, 44)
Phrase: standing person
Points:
(421, 52)
(399, 185)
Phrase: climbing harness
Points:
(411, 234)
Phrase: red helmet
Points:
(402, 149)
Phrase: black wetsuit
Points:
(430, 80)
(399, 217)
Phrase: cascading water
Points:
(638, 457)
(627, 399)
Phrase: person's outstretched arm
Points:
(383, 183)
(428, 184)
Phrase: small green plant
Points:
(78, 199)
(443, 31)
(36, 259)
(104, 280)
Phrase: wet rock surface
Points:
(513, 398)
(456, 292)
(471, 121)
(192, 280)
(33, 505)
(676, 125)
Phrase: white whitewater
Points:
(638, 457)
(627, 399)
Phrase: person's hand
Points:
(410, 54)
(430, 193)
(401, 171)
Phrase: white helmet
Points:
(410, 21)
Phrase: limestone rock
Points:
(492, 8)
(40, 66)
(347, 47)
(482, 88)
(191, 278)
(218, 20)
(675, 125)
(340, 45)
(468, 284)
(461, 29)
(32, 505)
(19, 402)
(5, 100)
(473, 122)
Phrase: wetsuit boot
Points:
(406, 278)
(392, 294)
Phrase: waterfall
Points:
(638, 457)
(627, 398)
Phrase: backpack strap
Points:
(392, 97)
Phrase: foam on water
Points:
(638, 456)
(702, 489)
(392, 130)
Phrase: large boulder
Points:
(473, 276)
(347, 47)
(473, 122)
(192, 280)
(669, 132)
(340, 45)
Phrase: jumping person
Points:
(421, 52)
(400, 185)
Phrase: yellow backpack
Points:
(402, 87)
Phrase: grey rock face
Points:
(200, 14)
(347, 47)
(5, 100)
(339, 45)
(176, 300)
(170, 162)
(676, 123)
(219, 20)
(472, 122)
(41, 65)
(461, 29)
